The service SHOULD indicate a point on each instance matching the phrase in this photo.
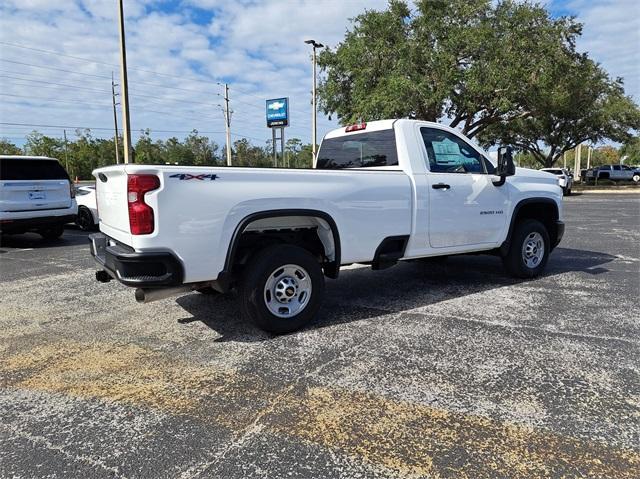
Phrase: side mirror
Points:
(506, 167)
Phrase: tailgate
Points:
(111, 197)
(32, 195)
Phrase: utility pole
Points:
(227, 122)
(564, 158)
(589, 158)
(124, 95)
(576, 170)
(314, 129)
(115, 118)
(66, 153)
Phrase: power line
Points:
(182, 78)
(52, 68)
(97, 62)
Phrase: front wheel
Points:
(528, 251)
(282, 288)
(636, 177)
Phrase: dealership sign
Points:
(278, 112)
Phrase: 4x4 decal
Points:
(187, 176)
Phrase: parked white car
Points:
(36, 194)
(87, 218)
(565, 179)
(380, 192)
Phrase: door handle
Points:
(440, 186)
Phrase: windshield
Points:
(377, 148)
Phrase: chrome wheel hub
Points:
(287, 291)
(533, 250)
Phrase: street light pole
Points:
(314, 113)
(124, 85)
(115, 119)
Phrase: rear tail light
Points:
(358, 126)
(140, 214)
(72, 189)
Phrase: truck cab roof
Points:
(379, 125)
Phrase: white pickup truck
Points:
(380, 192)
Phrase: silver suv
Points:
(36, 194)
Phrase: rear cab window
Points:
(359, 150)
(31, 169)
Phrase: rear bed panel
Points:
(197, 208)
(111, 196)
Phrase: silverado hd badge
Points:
(187, 176)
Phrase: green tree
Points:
(204, 151)
(503, 71)
(147, 151)
(631, 150)
(604, 155)
(298, 154)
(474, 61)
(579, 104)
(176, 153)
(9, 148)
(246, 154)
(38, 144)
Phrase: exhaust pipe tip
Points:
(140, 295)
(155, 294)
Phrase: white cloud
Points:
(611, 36)
(258, 46)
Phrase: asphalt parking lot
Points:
(449, 370)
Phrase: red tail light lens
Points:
(140, 214)
(72, 189)
(358, 126)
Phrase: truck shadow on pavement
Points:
(72, 236)
(361, 294)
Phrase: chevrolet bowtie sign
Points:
(278, 112)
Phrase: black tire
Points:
(636, 177)
(569, 192)
(53, 232)
(514, 261)
(84, 220)
(259, 270)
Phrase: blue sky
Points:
(56, 59)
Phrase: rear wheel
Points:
(53, 232)
(636, 177)
(528, 251)
(85, 219)
(282, 288)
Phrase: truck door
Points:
(616, 173)
(465, 207)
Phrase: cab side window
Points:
(448, 153)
